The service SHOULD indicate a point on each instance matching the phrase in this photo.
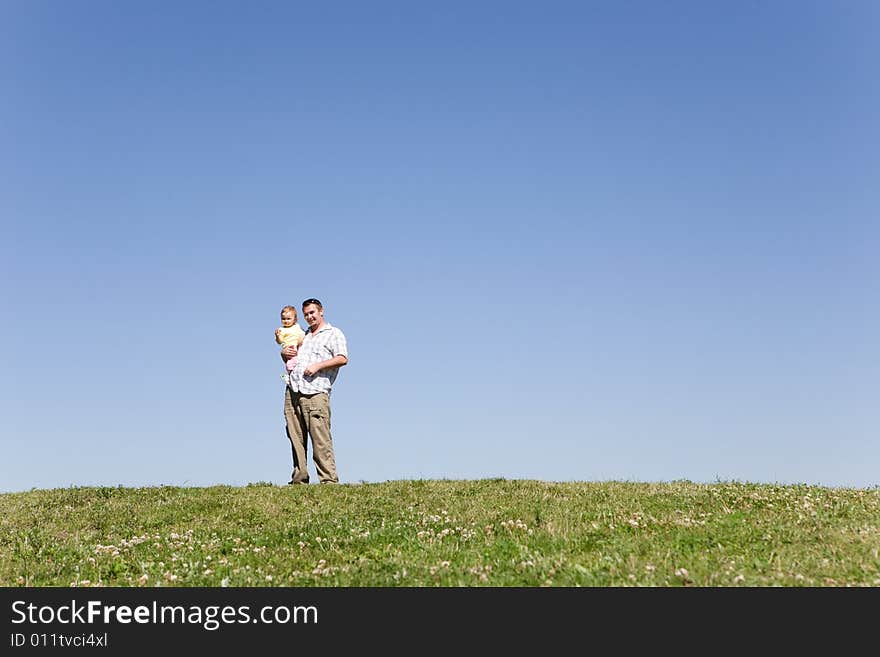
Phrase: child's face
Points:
(287, 319)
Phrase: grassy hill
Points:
(443, 533)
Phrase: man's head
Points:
(313, 313)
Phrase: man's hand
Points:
(312, 369)
(289, 351)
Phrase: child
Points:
(289, 333)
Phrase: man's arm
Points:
(336, 361)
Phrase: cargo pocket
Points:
(319, 417)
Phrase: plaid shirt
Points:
(328, 342)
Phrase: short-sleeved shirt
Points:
(289, 335)
(328, 342)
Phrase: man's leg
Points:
(296, 433)
(316, 415)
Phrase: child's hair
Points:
(291, 309)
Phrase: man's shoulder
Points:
(326, 329)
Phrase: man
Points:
(307, 397)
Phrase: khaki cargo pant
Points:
(309, 415)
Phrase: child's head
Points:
(288, 316)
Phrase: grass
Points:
(445, 533)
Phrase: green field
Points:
(491, 532)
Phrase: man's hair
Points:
(291, 309)
(309, 302)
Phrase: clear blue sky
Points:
(568, 241)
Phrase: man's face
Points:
(313, 315)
